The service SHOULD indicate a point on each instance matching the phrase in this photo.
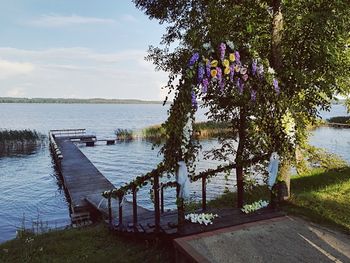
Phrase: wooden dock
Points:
(84, 185)
(83, 182)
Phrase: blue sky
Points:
(77, 48)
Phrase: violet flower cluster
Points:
(228, 68)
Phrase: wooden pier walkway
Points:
(84, 185)
(83, 182)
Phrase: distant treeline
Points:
(76, 101)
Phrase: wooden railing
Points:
(158, 191)
(68, 132)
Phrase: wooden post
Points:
(134, 207)
(156, 203)
(180, 208)
(109, 211)
(239, 156)
(162, 199)
(120, 211)
(204, 193)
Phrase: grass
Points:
(322, 196)
(92, 244)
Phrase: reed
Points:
(124, 134)
(13, 142)
(19, 136)
(202, 130)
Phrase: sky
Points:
(78, 49)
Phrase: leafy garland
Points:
(209, 74)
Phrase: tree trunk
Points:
(276, 63)
(276, 35)
(239, 157)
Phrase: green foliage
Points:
(322, 196)
(92, 244)
(307, 42)
(340, 119)
(320, 157)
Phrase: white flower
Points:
(254, 206)
(207, 46)
(271, 70)
(230, 44)
(201, 218)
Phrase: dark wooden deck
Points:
(83, 182)
(169, 222)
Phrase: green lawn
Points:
(323, 196)
(92, 244)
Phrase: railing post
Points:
(204, 193)
(120, 211)
(162, 199)
(134, 207)
(180, 207)
(109, 211)
(156, 202)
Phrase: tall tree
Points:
(303, 41)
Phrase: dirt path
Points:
(286, 239)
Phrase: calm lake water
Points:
(30, 191)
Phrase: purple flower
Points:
(222, 85)
(219, 75)
(253, 95)
(207, 69)
(222, 49)
(260, 70)
(205, 84)
(245, 77)
(238, 57)
(232, 72)
(254, 67)
(276, 87)
(200, 73)
(240, 86)
(194, 100)
(193, 59)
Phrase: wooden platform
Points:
(169, 222)
(83, 182)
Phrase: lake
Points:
(30, 191)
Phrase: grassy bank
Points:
(320, 195)
(92, 244)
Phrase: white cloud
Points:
(82, 73)
(55, 20)
(12, 68)
(128, 18)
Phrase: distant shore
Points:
(76, 101)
